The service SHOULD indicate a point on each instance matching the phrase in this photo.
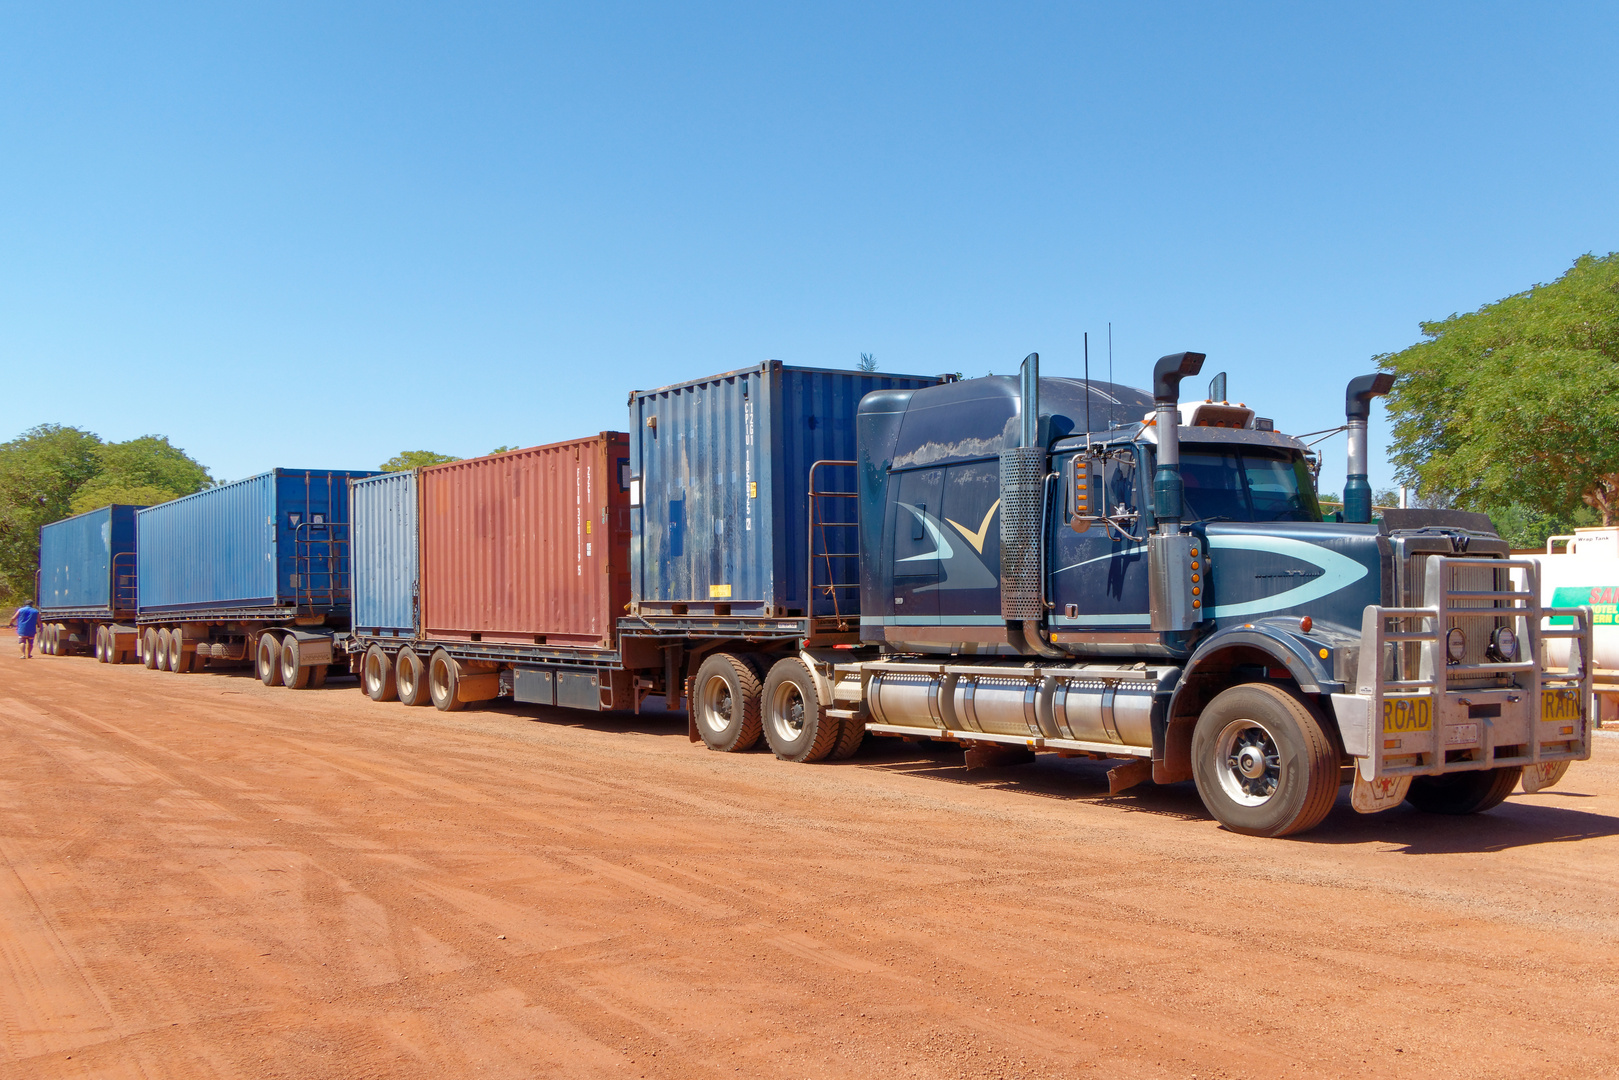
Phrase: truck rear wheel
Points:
(442, 675)
(101, 644)
(269, 659)
(377, 675)
(149, 648)
(795, 720)
(294, 676)
(410, 676)
(1263, 761)
(162, 646)
(1463, 792)
(725, 703)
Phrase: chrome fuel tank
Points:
(1089, 703)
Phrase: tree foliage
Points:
(1515, 407)
(406, 460)
(50, 472)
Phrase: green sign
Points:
(1603, 600)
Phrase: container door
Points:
(919, 545)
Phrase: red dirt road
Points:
(203, 877)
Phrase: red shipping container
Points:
(529, 547)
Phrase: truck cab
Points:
(1084, 568)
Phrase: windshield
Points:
(1247, 485)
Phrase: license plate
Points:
(1559, 705)
(1401, 715)
(1461, 735)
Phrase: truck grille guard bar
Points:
(1424, 726)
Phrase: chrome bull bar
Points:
(1422, 724)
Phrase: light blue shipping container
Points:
(87, 564)
(722, 483)
(272, 545)
(387, 560)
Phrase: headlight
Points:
(1504, 644)
(1456, 645)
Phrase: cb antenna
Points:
(1087, 386)
(1112, 394)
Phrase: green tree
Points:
(1517, 404)
(51, 471)
(502, 450)
(142, 472)
(406, 460)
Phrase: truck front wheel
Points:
(725, 703)
(1263, 761)
(1463, 792)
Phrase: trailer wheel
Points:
(1463, 792)
(410, 676)
(269, 659)
(377, 675)
(47, 643)
(725, 703)
(795, 720)
(1263, 761)
(442, 677)
(162, 647)
(101, 645)
(294, 676)
(148, 642)
(179, 661)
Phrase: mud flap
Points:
(1132, 772)
(1543, 775)
(1374, 796)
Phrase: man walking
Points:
(27, 623)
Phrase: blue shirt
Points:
(27, 620)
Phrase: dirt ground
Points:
(200, 876)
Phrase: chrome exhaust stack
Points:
(1358, 409)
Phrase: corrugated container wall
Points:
(382, 545)
(87, 562)
(723, 466)
(528, 547)
(278, 540)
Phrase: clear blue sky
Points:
(313, 235)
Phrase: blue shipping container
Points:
(387, 560)
(720, 491)
(87, 564)
(268, 546)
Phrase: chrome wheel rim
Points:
(715, 705)
(787, 711)
(1248, 762)
(373, 673)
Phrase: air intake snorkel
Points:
(1166, 481)
(1358, 408)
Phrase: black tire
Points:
(410, 676)
(294, 676)
(178, 660)
(163, 637)
(443, 673)
(1463, 792)
(268, 659)
(148, 641)
(725, 703)
(101, 644)
(851, 736)
(794, 716)
(377, 675)
(1263, 761)
(48, 645)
